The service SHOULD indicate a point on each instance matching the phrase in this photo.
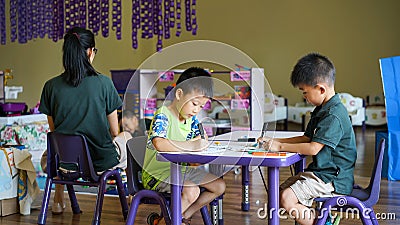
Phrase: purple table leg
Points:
(245, 188)
(273, 195)
(176, 212)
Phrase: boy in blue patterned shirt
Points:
(175, 128)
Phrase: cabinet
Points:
(144, 94)
(122, 79)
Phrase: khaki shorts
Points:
(306, 186)
(120, 147)
(195, 175)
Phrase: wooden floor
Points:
(388, 205)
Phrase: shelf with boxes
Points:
(242, 108)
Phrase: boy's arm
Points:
(297, 139)
(310, 148)
(166, 145)
(293, 140)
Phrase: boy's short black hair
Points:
(128, 113)
(196, 79)
(313, 69)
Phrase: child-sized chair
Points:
(361, 199)
(136, 148)
(72, 150)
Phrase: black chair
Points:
(361, 199)
(136, 148)
(72, 150)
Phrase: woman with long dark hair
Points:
(82, 101)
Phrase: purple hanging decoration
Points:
(72, 15)
(158, 23)
(104, 18)
(68, 15)
(135, 22)
(34, 19)
(40, 15)
(194, 19)
(21, 21)
(167, 13)
(82, 14)
(29, 19)
(3, 22)
(90, 14)
(57, 21)
(76, 22)
(171, 13)
(146, 18)
(188, 20)
(94, 15)
(13, 20)
(60, 20)
(47, 27)
(117, 17)
(178, 18)
(156, 9)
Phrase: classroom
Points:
(255, 54)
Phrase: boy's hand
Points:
(200, 145)
(272, 145)
(262, 140)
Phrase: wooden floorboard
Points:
(389, 201)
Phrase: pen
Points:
(264, 128)
(201, 129)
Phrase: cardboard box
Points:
(8, 174)
(8, 206)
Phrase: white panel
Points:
(257, 98)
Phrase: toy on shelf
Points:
(355, 107)
(296, 112)
(375, 110)
(275, 109)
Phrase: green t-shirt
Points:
(330, 125)
(83, 110)
(164, 125)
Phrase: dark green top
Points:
(330, 125)
(84, 110)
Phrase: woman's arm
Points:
(51, 123)
(113, 121)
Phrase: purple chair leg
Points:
(136, 200)
(373, 218)
(45, 203)
(74, 201)
(332, 203)
(99, 199)
(220, 209)
(214, 212)
(206, 215)
(122, 196)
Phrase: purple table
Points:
(232, 157)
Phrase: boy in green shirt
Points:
(329, 139)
